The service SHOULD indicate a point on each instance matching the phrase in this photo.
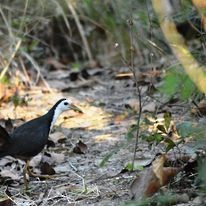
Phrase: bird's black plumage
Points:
(29, 139)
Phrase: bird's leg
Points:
(31, 174)
(25, 170)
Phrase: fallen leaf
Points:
(157, 167)
(152, 178)
(46, 169)
(6, 202)
(168, 173)
(146, 184)
(80, 148)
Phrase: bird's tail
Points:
(4, 141)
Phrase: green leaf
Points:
(136, 167)
(187, 89)
(170, 84)
(154, 138)
(75, 66)
(150, 138)
(170, 144)
(4, 80)
(130, 134)
(177, 82)
(108, 156)
(167, 120)
(161, 128)
(158, 138)
(129, 166)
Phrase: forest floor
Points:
(82, 141)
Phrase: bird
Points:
(29, 139)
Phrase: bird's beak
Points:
(75, 108)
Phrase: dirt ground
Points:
(102, 128)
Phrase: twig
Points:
(36, 66)
(132, 68)
(10, 60)
(81, 31)
(24, 71)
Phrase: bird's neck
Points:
(53, 113)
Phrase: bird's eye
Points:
(66, 103)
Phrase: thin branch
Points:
(11, 58)
(132, 68)
(81, 31)
(38, 69)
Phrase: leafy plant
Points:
(164, 132)
(177, 83)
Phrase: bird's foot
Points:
(31, 174)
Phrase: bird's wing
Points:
(4, 141)
(4, 135)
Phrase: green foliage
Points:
(20, 100)
(75, 66)
(4, 80)
(131, 132)
(130, 167)
(167, 120)
(177, 83)
(163, 134)
(109, 155)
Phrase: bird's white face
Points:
(67, 105)
(64, 105)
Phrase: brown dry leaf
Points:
(80, 148)
(47, 169)
(5, 93)
(6, 202)
(152, 178)
(168, 173)
(144, 185)
(157, 167)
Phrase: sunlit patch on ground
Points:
(93, 118)
(105, 137)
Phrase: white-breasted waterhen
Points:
(29, 139)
